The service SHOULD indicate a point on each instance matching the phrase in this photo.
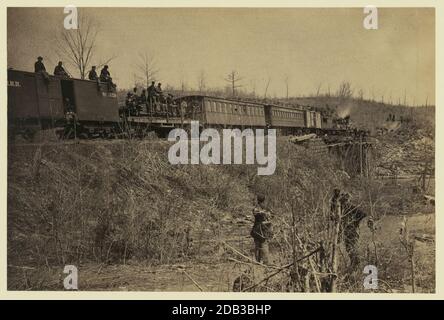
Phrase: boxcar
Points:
(94, 102)
(35, 101)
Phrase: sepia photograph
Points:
(194, 149)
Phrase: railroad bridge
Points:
(354, 153)
(355, 156)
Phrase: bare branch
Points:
(77, 45)
(266, 87)
(233, 77)
(146, 67)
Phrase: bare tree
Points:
(78, 45)
(345, 91)
(286, 80)
(147, 69)
(318, 89)
(183, 85)
(253, 87)
(266, 87)
(201, 81)
(233, 78)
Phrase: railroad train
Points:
(36, 101)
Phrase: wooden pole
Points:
(360, 155)
(367, 162)
(412, 266)
(335, 250)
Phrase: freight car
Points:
(38, 101)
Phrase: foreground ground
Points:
(129, 221)
(394, 266)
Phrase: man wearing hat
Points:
(152, 97)
(351, 217)
(105, 76)
(92, 74)
(262, 230)
(39, 66)
(60, 71)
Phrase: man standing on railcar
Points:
(159, 91)
(142, 97)
(161, 98)
(151, 96)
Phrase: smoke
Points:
(344, 111)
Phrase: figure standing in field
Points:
(262, 230)
(351, 217)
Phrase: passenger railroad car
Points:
(219, 112)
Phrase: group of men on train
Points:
(59, 70)
(153, 101)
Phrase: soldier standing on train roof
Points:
(92, 74)
(39, 66)
(262, 230)
(60, 71)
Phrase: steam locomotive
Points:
(37, 101)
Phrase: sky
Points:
(313, 47)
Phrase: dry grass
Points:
(130, 220)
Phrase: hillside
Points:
(119, 206)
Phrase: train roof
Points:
(51, 76)
(198, 96)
